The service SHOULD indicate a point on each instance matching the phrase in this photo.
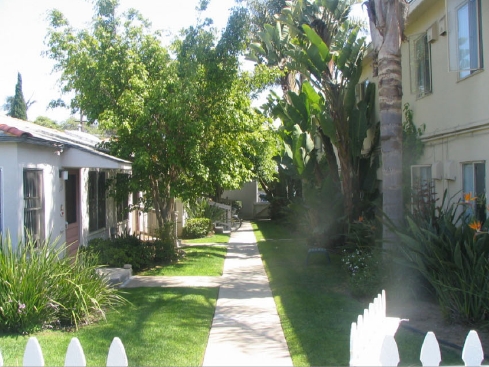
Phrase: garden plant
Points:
(449, 246)
(130, 249)
(42, 289)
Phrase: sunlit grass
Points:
(198, 261)
(314, 304)
(215, 238)
(163, 327)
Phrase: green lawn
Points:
(215, 238)
(314, 305)
(164, 327)
(198, 260)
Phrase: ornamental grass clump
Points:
(40, 288)
(450, 249)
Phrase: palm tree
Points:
(387, 18)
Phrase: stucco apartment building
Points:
(447, 88)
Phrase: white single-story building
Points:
(53, 184)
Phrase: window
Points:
(96, 200)
(420, 58)
(474, 185)
(422, 190)
(122, 201)
(361, 90)
(71, 199)
(465, 40)
(420, 175)
(33, 205)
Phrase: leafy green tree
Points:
(47, 122)
(17, 105)
(183, 117)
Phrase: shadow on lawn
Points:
(316, 307)
(160, 327)
(313, 302)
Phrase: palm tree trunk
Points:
(387, 18)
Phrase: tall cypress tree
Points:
(18, 108)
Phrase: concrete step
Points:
(116, 277)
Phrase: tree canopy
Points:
(182, 114)
(320, 53)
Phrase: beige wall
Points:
(248, 195)
(456, 113)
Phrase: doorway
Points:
(72, 212)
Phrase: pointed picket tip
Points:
(33, 353)
(472, 354)
(117, 354)
(384, 303)
(74, 355)
(389, 354)
(430, 351)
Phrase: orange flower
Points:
(468, 197)
(360, 219)
(476, 225)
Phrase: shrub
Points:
(123, 249)
(129, 249)
(197, 228)
(39, 288)
(451, 251)
(364, 271)
(362, 259)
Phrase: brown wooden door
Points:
(72, 212)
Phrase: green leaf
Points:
(322, 48)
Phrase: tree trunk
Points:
(288, 84)
(387, 19)
(330, 157)
(164, 205)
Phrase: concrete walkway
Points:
(246, 329)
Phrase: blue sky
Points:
(23, 28)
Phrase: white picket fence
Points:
(368, 333)
(372, 341)
(74, 354)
